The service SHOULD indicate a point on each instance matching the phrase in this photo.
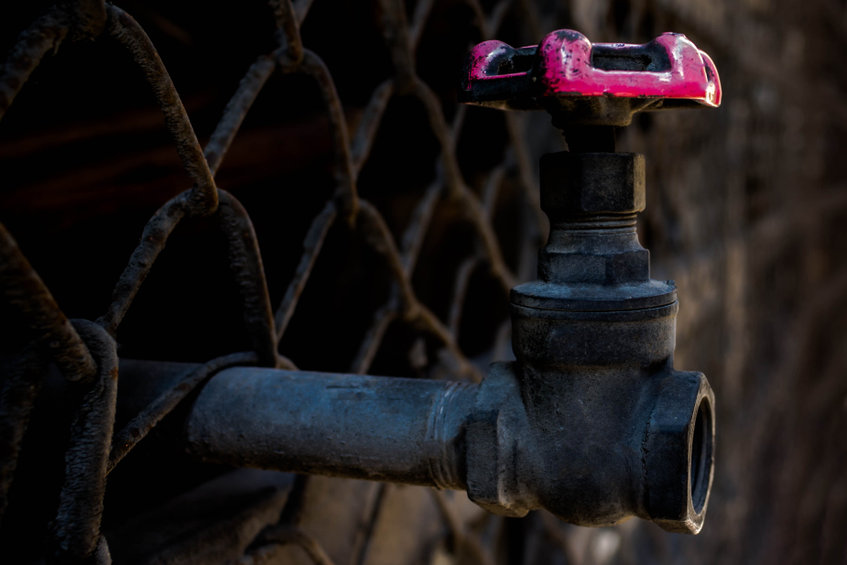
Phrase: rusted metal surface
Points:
(203, 198)
(76, 528)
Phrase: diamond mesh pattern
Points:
(436, 200)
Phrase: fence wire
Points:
(84, 351)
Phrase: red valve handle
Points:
(593, 84)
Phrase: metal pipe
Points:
(591, 446)
(377, 428)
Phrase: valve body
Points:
(594, 339)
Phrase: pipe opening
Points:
(701, 456)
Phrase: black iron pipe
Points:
(593, 447)
(377, 428)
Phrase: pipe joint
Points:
(497, 444)
(592, 446)
(678, 453)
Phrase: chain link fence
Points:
(388, 189)
(317, 199)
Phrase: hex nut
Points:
(490, 471)
(602, 268)
(678, 453)
(491, 436)
(584, 184)
(481, 460)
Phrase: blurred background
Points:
(746, 208)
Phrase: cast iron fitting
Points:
(678, 453)
(623, 433)
(651, 456)
(515, 442)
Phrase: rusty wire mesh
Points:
(85, 351)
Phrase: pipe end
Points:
(678, 453)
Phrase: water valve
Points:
(591, 421)
(594, 336)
